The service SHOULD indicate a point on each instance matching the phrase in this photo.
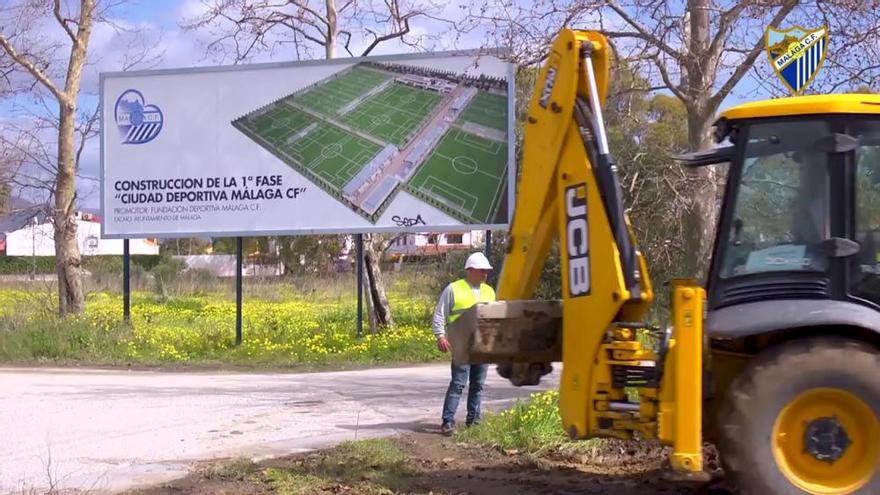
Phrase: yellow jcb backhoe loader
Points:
(775, 360)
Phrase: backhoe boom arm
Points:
(569, 190)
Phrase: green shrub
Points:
(22, 265)
(166, 273)
(533, 426)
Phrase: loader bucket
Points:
(524, 331)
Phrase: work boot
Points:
(447, 429)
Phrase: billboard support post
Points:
(126, 281)
(238, 269)
(488, 248)
(359, 241)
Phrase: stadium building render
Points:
(374, 129)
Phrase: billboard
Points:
(374, 144)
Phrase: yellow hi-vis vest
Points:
(463, 297)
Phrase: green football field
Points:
(465, 173)
(335, 93)
(278, 122)
(487, 109)
(394, 113)
(325, 150)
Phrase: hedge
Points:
(16, 265)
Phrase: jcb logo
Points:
(547, 90)
(578, 245)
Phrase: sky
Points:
(158, 22)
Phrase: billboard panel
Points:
(375, 144)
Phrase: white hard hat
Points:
(478, 261)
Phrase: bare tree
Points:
(30, 153)
(243, 29)
(44, 48)
(16, 42)
(699, 51)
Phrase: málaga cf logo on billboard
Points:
(137, 121)
(796, 54)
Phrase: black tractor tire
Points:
(755, 398)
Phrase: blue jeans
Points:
(476, 373)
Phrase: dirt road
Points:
(111, 430)
(425, 464)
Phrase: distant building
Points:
(30, 233)
(420, 246)
(429, 83)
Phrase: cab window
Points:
(780, 210)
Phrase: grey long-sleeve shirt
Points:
(444, 308)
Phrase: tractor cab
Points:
(798, 238)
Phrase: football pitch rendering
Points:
(370, 131)
(489, 110)
(328, 98)
(394, 113)
(325, 150)
(465, 173)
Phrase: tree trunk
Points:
(376, 292)
(368, 300)
(332, 29)
(699, 221)
(67, 257)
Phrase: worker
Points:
(456, 298)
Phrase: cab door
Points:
(864, 218)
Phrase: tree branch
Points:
(724, 26)
(643, 32)
(664, 74)
(32, 69)
(347, 46)
(61, 20)
(86, 133)
(744, 67)
(390, 36)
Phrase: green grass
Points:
(238, 469)
(367, 467)
(394, 113)
(331, 95)
(487, 109)
(465, 174)
(291, 331)
(532, 427)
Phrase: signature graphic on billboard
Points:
(138, 122)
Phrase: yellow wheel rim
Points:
(827, 442)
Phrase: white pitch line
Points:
(444, 195)
(487, 174)
(453, 188)
(445, 198)
(493, 148)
